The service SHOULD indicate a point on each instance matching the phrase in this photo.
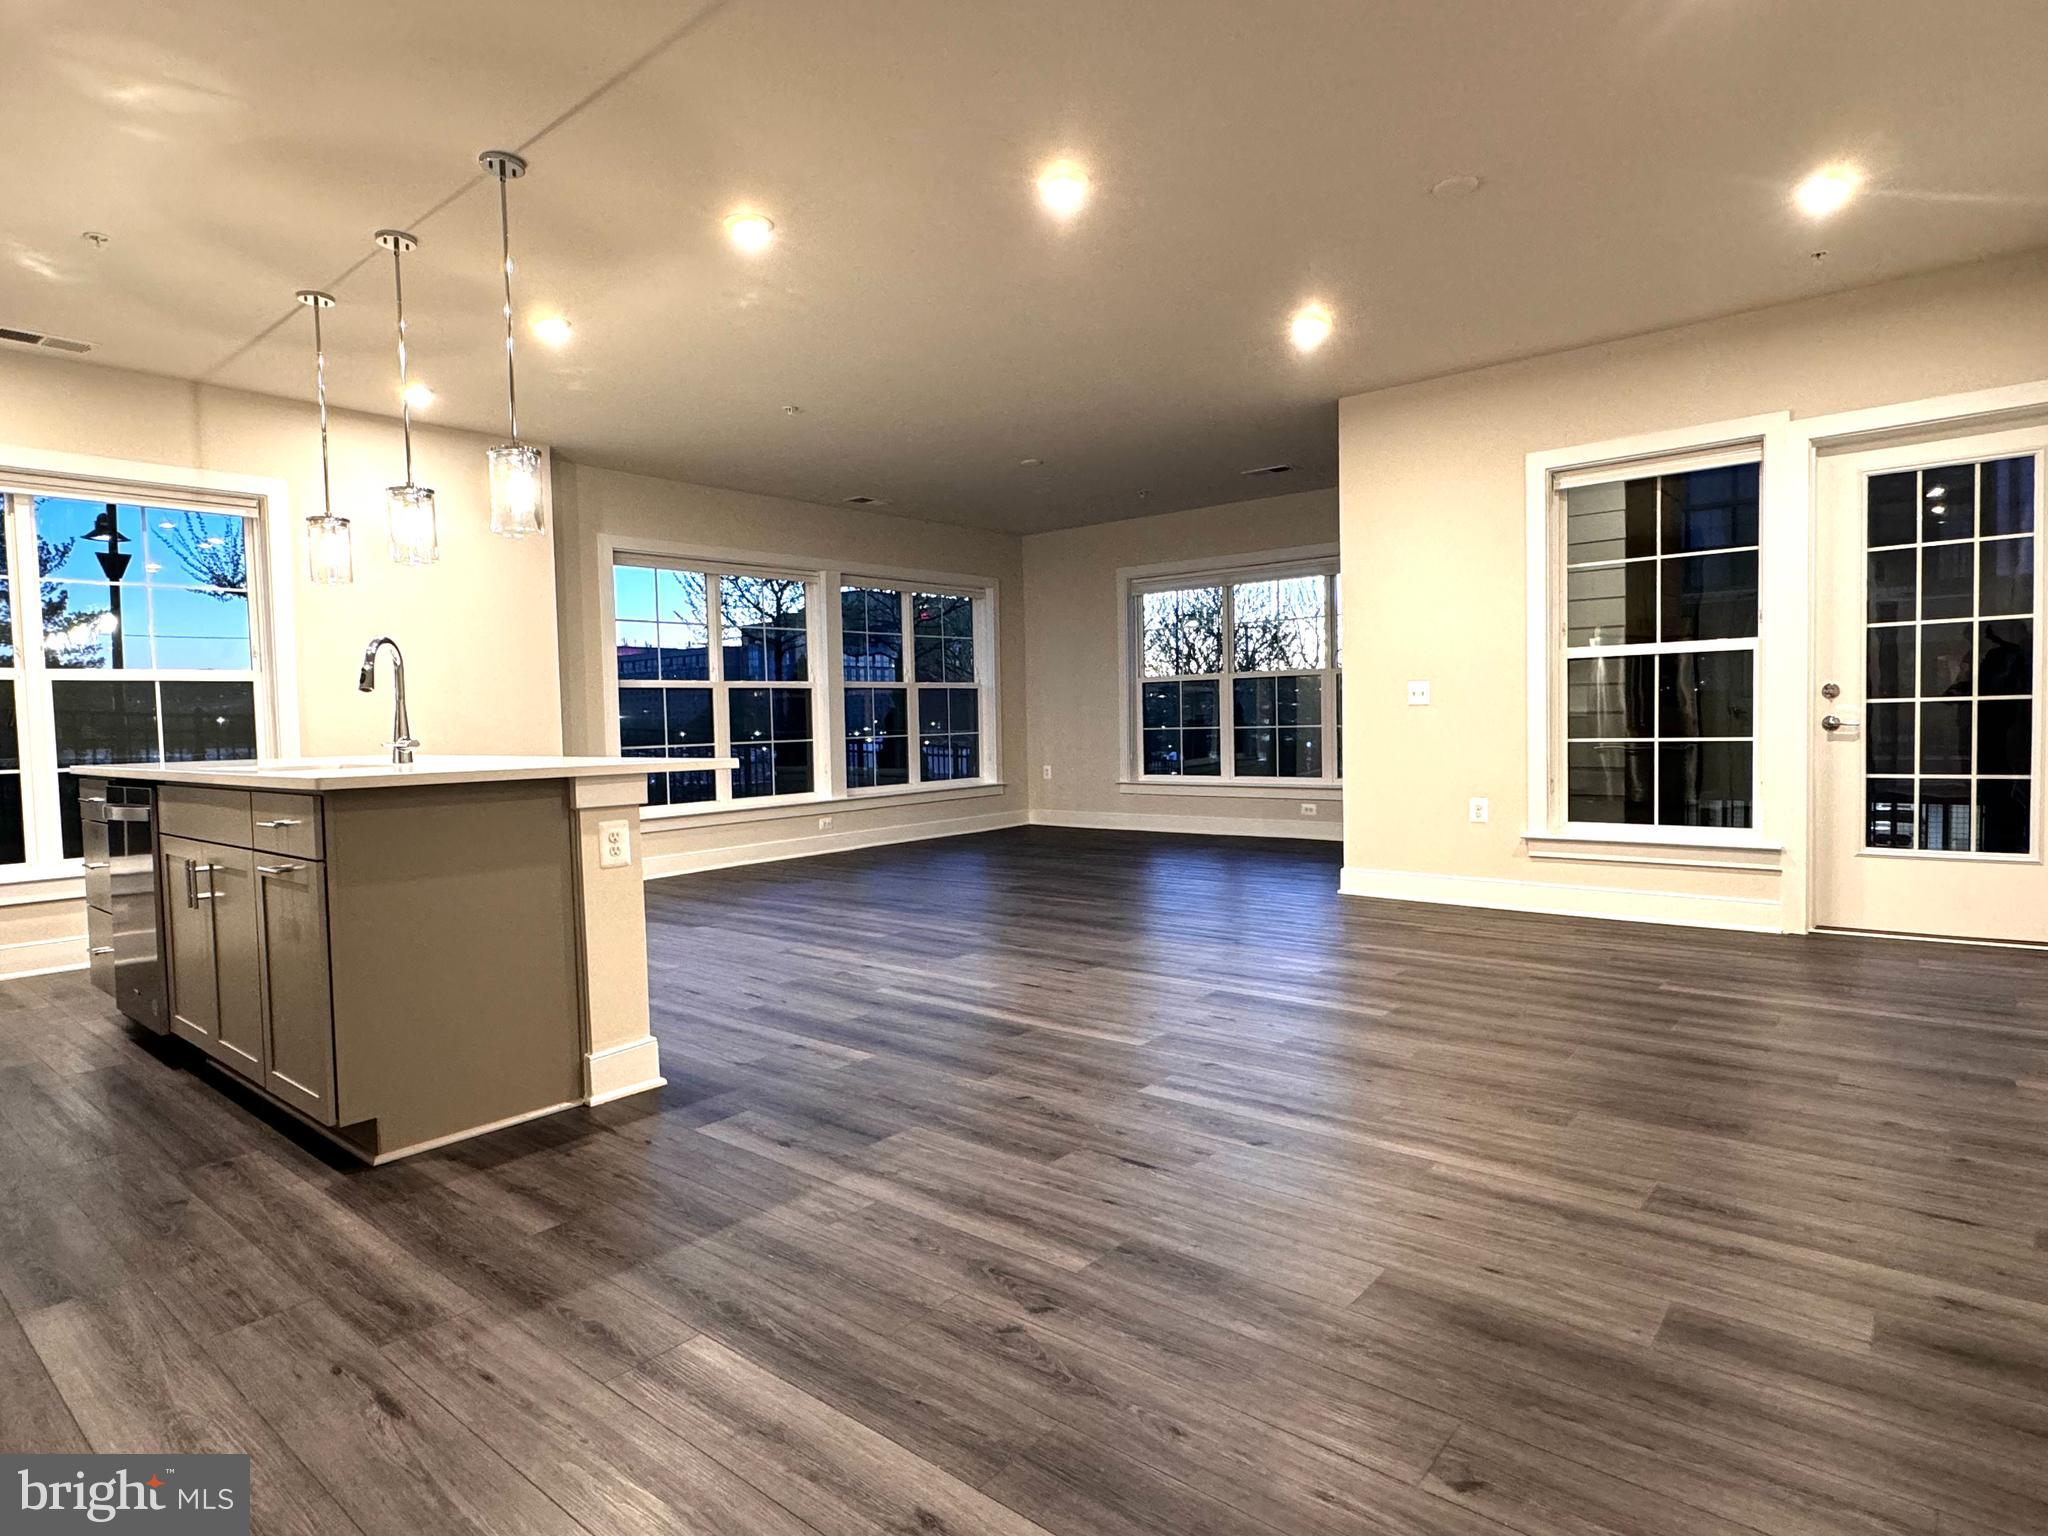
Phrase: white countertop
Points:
(318, 775)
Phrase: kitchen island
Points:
(401, 955)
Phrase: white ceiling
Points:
(932, 323)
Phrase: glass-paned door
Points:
(1929, 712)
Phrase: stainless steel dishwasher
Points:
(123, 917)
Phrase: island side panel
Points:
(453, 922)
(623, 1057)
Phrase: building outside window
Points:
(1235, 675)
(913, 685)
(126, 635)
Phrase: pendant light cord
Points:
(505, 244)
(320, 389)
(404, 393)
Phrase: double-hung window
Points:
(1660, 646)
(126, 635)
(1237, 675)
(716, 662)
(913, 683)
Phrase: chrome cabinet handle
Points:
(282, 821)
(193, 870)
(278, 869)
(101, 949)
(191, 883)
(98, 864)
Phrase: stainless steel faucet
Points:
(402, 739)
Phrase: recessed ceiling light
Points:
(418, 396)
(553, 329)
(1063, 188)
(1310, 327)
(1827, 189)
(1452, 188)
(751, 232)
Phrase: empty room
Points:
(1135, 768)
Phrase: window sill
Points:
(716, 814)
(1306, 789)
(1658, 837)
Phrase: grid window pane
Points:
(871, 633)
(770, 730)
(1612, 604)
(942, 634)
(1706, 693)
(1709, 508)
(1279, 625)
(1616, 520)
(762, 628)
(208, 722)
(1704, 784)
(949, 733)
(1952, 664)
(1610, 696)
(1610, 782)
(1182, 632)
(1180, 728)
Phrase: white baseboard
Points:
(43, 957)
(633, 1066)
(1318, 828)
(656, 866)
(1749, 914)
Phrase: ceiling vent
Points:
(865, 501)
(1267, 469)
(38, 339)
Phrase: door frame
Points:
(1792, 452)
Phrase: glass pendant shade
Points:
(330, 551)
(515, 491)
(415, 530)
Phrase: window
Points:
(714, 663)
(1660, 630)
(1949, 659)
(941, 698)
(133, 641)
(1237, 675)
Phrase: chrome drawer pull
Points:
(282, 821)
(98, 864)
(278, 869)
(101, 949)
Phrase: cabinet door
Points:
(188, 914)
(231, 884)
(298, 1008)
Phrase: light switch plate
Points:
(1418, 693)
(1477, 809)
(614, 845)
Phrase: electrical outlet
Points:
(1477, 809)
(1047, 772)
(1418, 693)
(614, 845)
(1308, 807)
(824, 822)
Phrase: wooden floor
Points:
(1097, 1184)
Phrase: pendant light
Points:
(515, 466)
(415, 534)
(330, 551)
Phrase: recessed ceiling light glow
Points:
(418, 396)
(553, 329)
(1063, 188)
(1827, 190)
(1310, 327)
(751, 232)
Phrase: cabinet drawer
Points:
(287, 824)
(99, 948)
(205, 815)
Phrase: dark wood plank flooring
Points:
(1097, 1184)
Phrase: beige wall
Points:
(1078, 693)
(594, 506)
(477, 628)
(1434, 549)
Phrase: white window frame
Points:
(720, 686)
(262, 502)
(1135, 582)
(1550, 475)
(826, 664)
(982, 597)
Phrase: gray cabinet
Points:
(298, 1004)
(247, 942)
